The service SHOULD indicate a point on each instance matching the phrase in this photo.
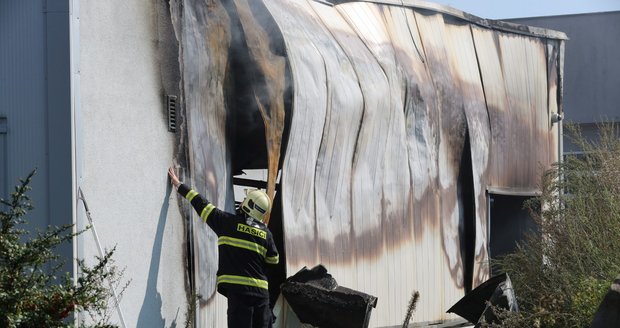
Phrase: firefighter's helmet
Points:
(256, 203)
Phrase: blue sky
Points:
(498, 9)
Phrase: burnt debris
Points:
(476, 305)
(316, 299)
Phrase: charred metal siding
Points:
(403, 115)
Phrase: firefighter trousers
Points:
(248, 311)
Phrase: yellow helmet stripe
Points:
(190, 195)
(241, 280)
(240, 243)
(206, 211)
(272, 259)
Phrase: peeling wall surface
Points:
(399, 117)
(123, 150)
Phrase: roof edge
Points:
(447, 10)
(593, 13)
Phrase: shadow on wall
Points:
(150, 313)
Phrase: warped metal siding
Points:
(204, 38)
(403, 115)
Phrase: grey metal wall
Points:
(35, 113)
(591, 68)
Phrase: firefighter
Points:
(245, 246)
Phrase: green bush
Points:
(31, 294)
(561, 272)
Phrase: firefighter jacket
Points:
(245, 245)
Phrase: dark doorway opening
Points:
(509, 223)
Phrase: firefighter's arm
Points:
(199, 203)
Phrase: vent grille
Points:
(171, 106)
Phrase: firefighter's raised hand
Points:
(173, 177)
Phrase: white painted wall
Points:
(123, 149)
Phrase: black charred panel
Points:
(245, 125)
(317, 299)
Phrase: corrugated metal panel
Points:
(23, 94)
(34, 87)
(402, 118)
(517, 96)
(458, 100)
(36, 107)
